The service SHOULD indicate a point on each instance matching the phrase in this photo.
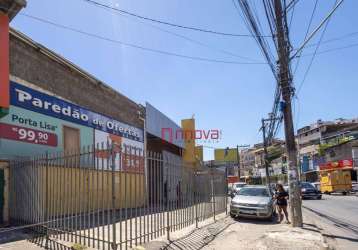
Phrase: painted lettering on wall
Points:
(31, 99)
(30, 122)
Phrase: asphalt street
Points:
(338, 214)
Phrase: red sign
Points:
(17, 133)
(232, 179)
(337, 164)
(346, 163)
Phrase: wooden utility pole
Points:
(268, 182)
(263, 128)
(239, 158)
(286, 90)
(238, 162)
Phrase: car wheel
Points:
(319, 197)
(273, 217)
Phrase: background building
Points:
(313, 140)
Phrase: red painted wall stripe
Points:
(4, 62)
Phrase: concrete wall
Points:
(308, 137)
(340, 152)
(33, 64)
(74, 190)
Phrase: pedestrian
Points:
(281, 197)
(178, 194)
(166, 202)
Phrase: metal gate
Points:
(2, 200)
(111, 197)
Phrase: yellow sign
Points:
(188, 126)
(226, 154)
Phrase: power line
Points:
(316, 29)
(95, 3)
(339, 38)
(194, 41)
(308, 29)
(256, 33)
(134, 45)
(314, 54)
(291, 5)
(253, 24)
(332, 50)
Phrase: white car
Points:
(253, 202)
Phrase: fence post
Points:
(226, 190)
(113, 158)
(46, 202)
(213, 192)
(196, 200)
(167, 197)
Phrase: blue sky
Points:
(229, 97)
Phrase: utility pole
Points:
(285, 84)
(263, 127)
(238, 159)
(268, 182)
(238, 162)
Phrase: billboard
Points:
(341, 164)
(30, 99)
(35, 124)
(226, 155)
(189, 152)
(128, 153)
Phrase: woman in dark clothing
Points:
(281, 197)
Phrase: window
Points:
(71, 139)
(263, 192)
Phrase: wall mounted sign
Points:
(23, 134)
(341, 164)
(34, 100)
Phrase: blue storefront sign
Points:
(305, 164)
(30, 99)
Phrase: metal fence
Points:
(111, 197)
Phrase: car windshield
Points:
(306, 185)
(254, 192)
(239, 185)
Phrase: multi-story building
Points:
(253, 164)
(311, 139)
(247, 162)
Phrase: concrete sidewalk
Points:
(245, 234)
(227, 233)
